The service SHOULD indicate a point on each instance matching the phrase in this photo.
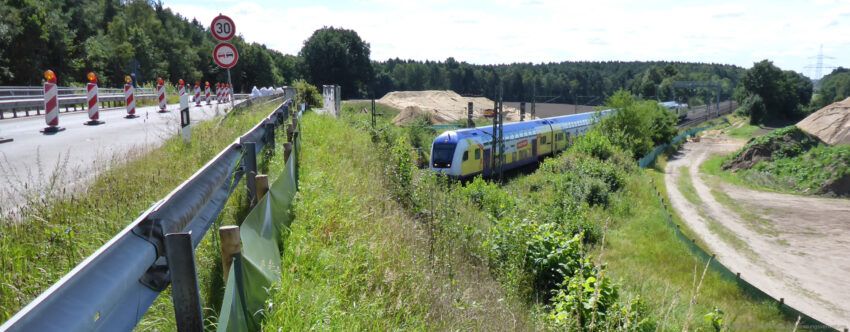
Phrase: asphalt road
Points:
(37, 163)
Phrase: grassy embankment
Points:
(57, 229)
(357, 260)
(796, 164)
(523, 232)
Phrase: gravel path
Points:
(796, 249)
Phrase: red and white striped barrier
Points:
(91, 99)
(226, 92)
(51, 104)
(130, 98)
(207, 92)
(197, 94)
(160, 95)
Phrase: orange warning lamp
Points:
(127, 79)
(208, 84)
(181, 82)
(159, 81)
(91, 77)
(50, 76)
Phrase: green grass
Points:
(644, 253)
(384, 111)
(58, 229)
(356, 260)
(686, 187)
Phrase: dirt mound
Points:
(440, 106)
(781, 143)
(830, 124)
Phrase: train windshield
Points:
(442, 155)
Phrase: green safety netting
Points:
(258, 266)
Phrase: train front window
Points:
(442, 155)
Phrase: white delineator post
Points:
(184, 112)
(51, 104)
(197, 94)
(130, 98)
(92, 101)
(160, 92)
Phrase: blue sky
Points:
(503, 31)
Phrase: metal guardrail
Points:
(113, 288)
(26, 100)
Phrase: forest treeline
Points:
(114, 38)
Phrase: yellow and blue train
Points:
(466, 153)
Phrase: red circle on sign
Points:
(222, 28)
(225, 55)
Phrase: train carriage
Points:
(466, 153)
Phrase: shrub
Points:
(552, 256)
(637, 126)
(400, 171)
(306, 92)
(488, 197)
(594, 144)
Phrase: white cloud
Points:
(504, 31)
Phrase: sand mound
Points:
(830, 124)
(440, 106)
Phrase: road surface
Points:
(791, 247)
(35, 163)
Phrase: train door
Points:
(534, 147)
(486, 171)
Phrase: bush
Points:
(753, 106)
(488, 197)
(400, 171)
(552, 256)
(306, 92)
(637, 126)
(594, 144)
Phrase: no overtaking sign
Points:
(225, 55)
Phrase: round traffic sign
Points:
(223, 28)
(225, 55)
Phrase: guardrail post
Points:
(184, 282)
(287, 150)
(262, 185)
(270, 135)
(249, 164)
(231, 244)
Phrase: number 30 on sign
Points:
(223, 28)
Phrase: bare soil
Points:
(801, 255)
(440, 106)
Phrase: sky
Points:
(740, 32)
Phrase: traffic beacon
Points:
(130, 97)
(92, 100)
(51, 104)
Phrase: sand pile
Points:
(440, 106)
(830, 124)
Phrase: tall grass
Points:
(58, 226)
(356, 260)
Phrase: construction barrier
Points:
(92, 101)
(197, 94)
(257, 267)
(130, 98)
(51, 104)
(751, 290)
(160, 95)
(207, 93)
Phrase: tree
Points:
(338, 56)
(781, 93)
(637, 125)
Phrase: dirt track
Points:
(791, 247)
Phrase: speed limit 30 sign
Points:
(223, 28)
(225, 55)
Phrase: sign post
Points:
(224, 54)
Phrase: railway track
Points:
(702, 113)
